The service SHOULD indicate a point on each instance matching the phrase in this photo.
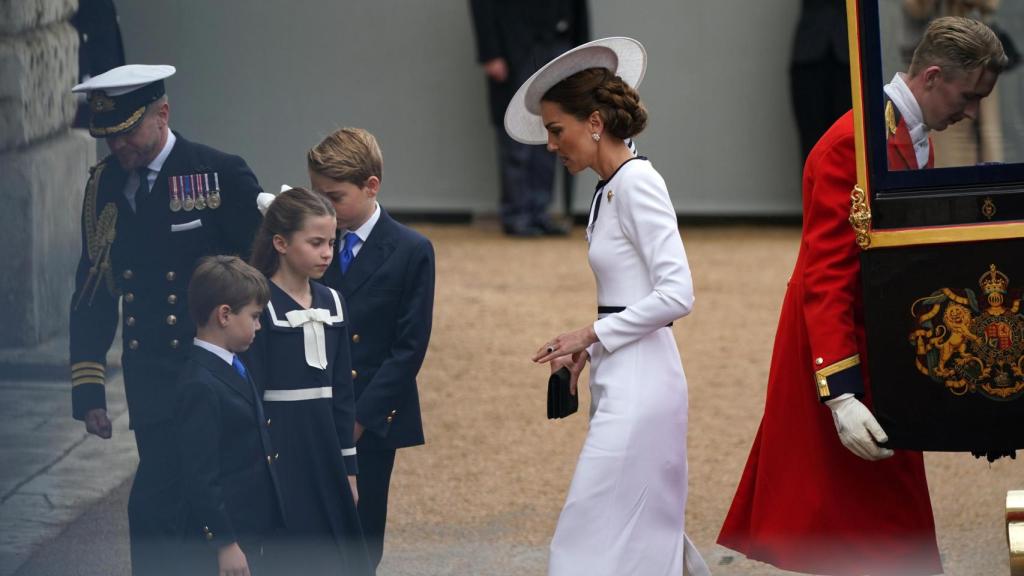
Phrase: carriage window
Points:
(964, 120)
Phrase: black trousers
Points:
(155, 511)
(820, 94)
(527, 182)
(527, 171)
(374, 480)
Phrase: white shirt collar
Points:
(220, 352)
(910, 110)
(363, 231)
(158, 163)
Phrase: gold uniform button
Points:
(129, 297)
(354, 374)
(172, 299)
(355, 338)
(171, 276)
(268, 422)
(175, 343)
(130, 321)
(389, 419)
(172, 320)
(128, 275)
(133, 344)
(268, 459)
(393, 412)
(277, 455)
(819, 361)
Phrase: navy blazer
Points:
(153, 253)
(389, 294)
(230, 485)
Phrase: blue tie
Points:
(351, 239)
(240, 368)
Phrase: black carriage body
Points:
(943, 276)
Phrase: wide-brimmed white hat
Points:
(624, 57)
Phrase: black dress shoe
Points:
(523, 231)
(551, 228)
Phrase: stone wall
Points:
(44, 165)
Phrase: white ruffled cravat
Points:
(910, 110)
(312, 322)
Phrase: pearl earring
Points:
(595, 136)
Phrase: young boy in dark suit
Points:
(385, 271)
(232, 503)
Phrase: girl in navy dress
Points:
(300, 360)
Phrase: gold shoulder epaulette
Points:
(890, 118)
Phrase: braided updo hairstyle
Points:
(599, 89)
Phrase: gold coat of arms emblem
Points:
(972, 346)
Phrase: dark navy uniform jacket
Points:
(145, 259)
(389, 293)
(230, 484)
(515, 29)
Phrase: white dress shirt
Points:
(363, 232)
(220, 352)
(154, 170)
(910, 110)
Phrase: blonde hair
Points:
(348, 155)
(955, 43)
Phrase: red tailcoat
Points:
(899, 149)
(805, 502)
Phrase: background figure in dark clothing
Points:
(819, 70)
(514, 38)
(99, 45)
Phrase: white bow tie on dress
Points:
(312, 322)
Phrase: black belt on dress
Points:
(614, 309)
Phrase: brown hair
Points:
(955, 43)
(220, 280)
(599, 89)
(286, 215)
(348, 155)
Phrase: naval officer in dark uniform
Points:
(513, 39)
(152, 209)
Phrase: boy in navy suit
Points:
(232, 503)
(385, 271)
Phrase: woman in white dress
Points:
(625, 512)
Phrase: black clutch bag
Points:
(561, 402)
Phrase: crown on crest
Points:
(993, 281)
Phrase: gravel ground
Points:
(483, 496)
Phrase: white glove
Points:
(858, 429)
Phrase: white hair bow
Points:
(312, 322)
(265, 199)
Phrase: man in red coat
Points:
(819, 494)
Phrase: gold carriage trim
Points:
(1015, 530)
(821, 376)
(946, 234)
(988, 208)
(860, 217)
(108, 130)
